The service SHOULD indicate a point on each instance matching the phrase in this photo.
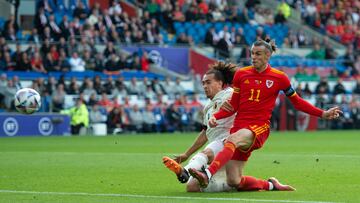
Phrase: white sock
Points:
(271, 186)
(209, 175)
(197, 161)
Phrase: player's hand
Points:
(227, 106)
(181, 158)
(332, 113)
(212, 122)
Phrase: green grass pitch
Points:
(324, 167)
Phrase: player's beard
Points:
(258, 66)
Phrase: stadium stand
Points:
(81, 49)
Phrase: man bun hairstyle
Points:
(223, 71)
(267, 43)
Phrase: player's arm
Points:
(304, 106)
(229, 107)
(198, 143)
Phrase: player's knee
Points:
(242, 139)
(209, 153)
(232, 138)
(233, 182)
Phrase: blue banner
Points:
(37, 124)
(173, 58)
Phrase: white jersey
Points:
(222, 130)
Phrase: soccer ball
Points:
(27, 101)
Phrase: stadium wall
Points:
(12, 124)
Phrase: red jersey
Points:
(255, 93)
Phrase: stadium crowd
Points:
(64, 38)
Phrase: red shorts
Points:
(261, 133)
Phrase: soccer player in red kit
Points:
(256, 88)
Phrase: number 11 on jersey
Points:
(251, 98)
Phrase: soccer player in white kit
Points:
(217, 86)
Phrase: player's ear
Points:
(268, 54)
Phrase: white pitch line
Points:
(150, 154)
(154, 196)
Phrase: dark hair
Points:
(267, 43)
(223, 71)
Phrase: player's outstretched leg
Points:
(200, 176)
(279, 186)
(175, 167)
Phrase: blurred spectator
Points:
(157, 86)
(34, 37)
(54, 28)
(168, 87)
(64, 63)
(74, 87)
(339, 87)
(17, 82)
(136, 119)
(24, 63)
(17, 55)
(37, 64)
(173, 118)
(195, 101)
(79, 116)
(245, 56)
(9, 94)
(280, 18)
(50, 64)
(3, 85)
(177, 88)
(76, 63)
(284, 8)
(105, 102)
(108, 85)
(98, 85)
(144, 85)
(99, 63)
(211, 37)
(306, 90)
(134, 87)
(58, 98)
(96, 116)
(89, 61)
(92, 99)
(317, 53)
(80, 11)
(349, 59)
(11, 23)
(115, 120)
(65, 27)
(149, 119)
(357, 87)
(112, 64)
(322, 87)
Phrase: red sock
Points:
(222, 157)
(249, 183)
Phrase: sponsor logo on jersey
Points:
(258, 82)
(246, 81)
(269, 83)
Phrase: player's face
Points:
(259, 57)
(211, 85)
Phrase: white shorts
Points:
(218, 183)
